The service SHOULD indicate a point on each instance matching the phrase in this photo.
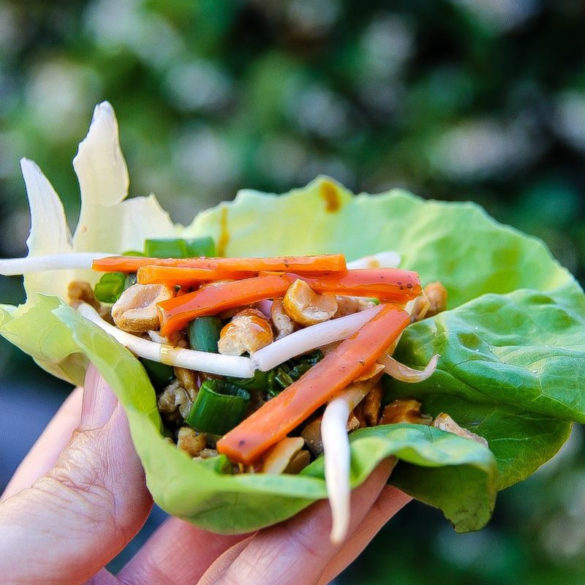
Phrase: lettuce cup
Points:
(510, 339)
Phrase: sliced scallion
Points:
(179, 247)
(262, 381)
(218, 408)
(204, 333)
(110, 286)
(160, 374)
(165, 248)
(201, 247)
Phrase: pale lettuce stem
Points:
(72, 260)
(201, 361)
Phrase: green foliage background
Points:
(452, 99)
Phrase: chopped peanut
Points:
(298, 462)
(248, 331)
(279, 457)
(135, 311)
(371, 405)
(446, 423)
(353, 422)
(437, 296)
(207, 453)
(312, 435)
(188, 380)
(349, 305)
(432, 301)
(282, 322)
(404, 411)
(306, 307)
(80, 291)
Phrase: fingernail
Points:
(99, 402)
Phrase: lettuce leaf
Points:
(511, 342)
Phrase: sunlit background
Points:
(479, 100)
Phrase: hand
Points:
(79, 497)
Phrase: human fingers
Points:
(299, 550)
(47, 448)
(176, 553)
(390, 501)
(78, 516)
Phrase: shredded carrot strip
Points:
(177, 312)
(386, 284)
(301, 264)
(182, 276)
(277, 417)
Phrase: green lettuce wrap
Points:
(511, 342)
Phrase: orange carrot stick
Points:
(182, 276)
(301, 264)
(177, 312)
(386, 284)
(277, 417)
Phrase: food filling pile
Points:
(246, 353)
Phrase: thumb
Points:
(78, 516)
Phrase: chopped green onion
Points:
(179, 248)
(204, 333)
(160, 375)
(110, 286)
(166, 248)
(283, 378)
(262, 381)
(218, 408)
(201, 247)
(274, 381)
(132, 253)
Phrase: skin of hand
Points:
(80, 496)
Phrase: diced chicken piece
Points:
(190, 441)
(175, 403)
(404, 411)
(306, 307)
(248, 331)
(445, 423)
(283, 324)
(135, 311)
